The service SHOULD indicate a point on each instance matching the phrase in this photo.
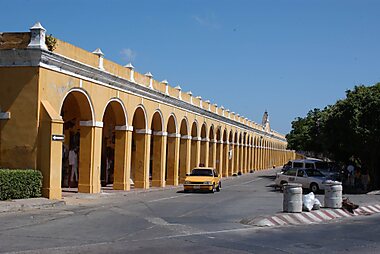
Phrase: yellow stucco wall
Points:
(19, 96)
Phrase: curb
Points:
(28, 204)
(315, 216)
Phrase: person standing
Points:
(73, 162)
(351, 177)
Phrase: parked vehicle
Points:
(311, 179)
(203, 179)
(324, 167)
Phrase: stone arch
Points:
(172, 125)
(88, 99)
(172, 151)
(185, 150)
(78, 115)
(157, 168)
(195, 146)
(140, 149)
(231, 153)
(211, 147)
(224, 156)
(114, 138)
(204, 149)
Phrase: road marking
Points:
(172, 197)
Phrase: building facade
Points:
(124, 128)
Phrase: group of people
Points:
(356, 177)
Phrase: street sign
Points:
(58, 137)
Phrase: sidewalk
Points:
(29, 204)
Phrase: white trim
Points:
(74, 74)
(90, 123)
(220, 142)
(197, 138)
(205, 140)
(159, 133)
(186, 137)
(5, 115)
(143, 131)
(118, 100)
(213, 140)
(174, 135)
(123, 128)
(84, 92)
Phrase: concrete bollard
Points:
(333, 194)
(292, 198)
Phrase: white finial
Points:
(129, 66)
(98, 52)
(166, 83)
(178, 88)
(148, 74)
(37, 37)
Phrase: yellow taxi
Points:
(202, 179)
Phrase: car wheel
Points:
(218, 187)
(314, 187)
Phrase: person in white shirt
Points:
(73, 162)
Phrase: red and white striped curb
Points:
(315, 216)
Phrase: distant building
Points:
(126, 128)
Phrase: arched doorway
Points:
(219, 159)
(113, 144)
(231, 154)
(77, 165)
(172, 152)
(194, 147)
(157, 169)
(211, 148)
(140, 150)
(185, 150)
(204, 147)
(224, 156)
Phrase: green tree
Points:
(349, 129)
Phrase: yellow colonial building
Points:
(125, 128)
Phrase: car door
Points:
(302, 178)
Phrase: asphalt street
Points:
(170, 221)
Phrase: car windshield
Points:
(313, 172)
(201, 172)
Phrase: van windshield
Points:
(297, 165)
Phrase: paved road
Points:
(170, 221)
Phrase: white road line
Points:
(172, 197)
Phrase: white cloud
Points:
(128, 54)
(208, 20)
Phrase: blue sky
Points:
(284, 56)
